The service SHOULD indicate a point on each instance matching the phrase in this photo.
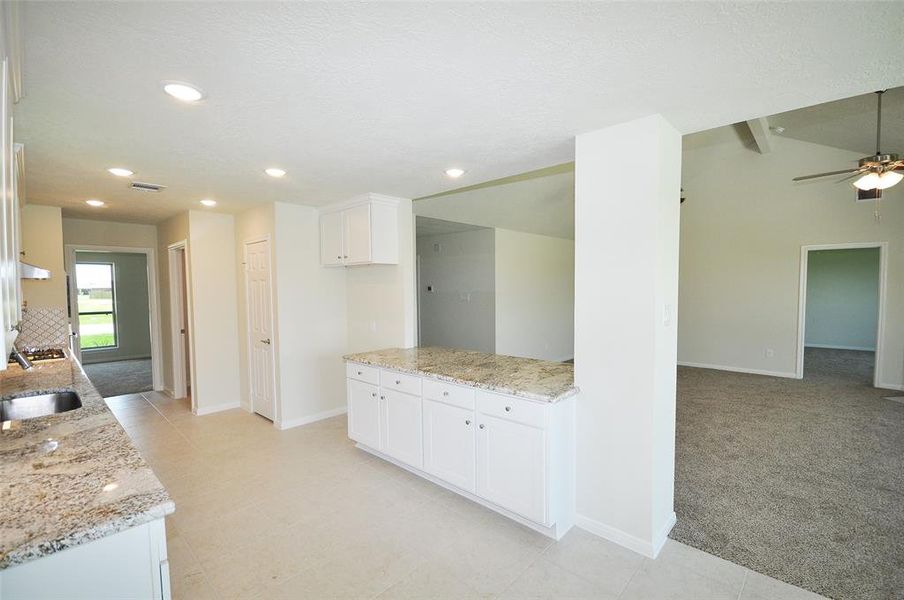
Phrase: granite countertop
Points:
(539, 380)
(70, 478)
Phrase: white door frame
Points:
(153, 298)
(802, 303)
(274, 336)
(179, 265)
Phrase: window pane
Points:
(97, 324)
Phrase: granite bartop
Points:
(540, 380)
(70, 478)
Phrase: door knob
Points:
(266, 341)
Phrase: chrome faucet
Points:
(20, 358)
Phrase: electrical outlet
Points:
(770, 353)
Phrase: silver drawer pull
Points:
(508, 409)
(382, 397)
(445, 393)
(467, 421)
(359, 372)
(374, 394)
(481, 425)
(398, 382)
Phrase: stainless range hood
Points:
(29, 271)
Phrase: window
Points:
(96, 305)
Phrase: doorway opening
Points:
(180, 323)
(113, 313)
(842, 306)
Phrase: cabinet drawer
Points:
(456, 395)
(393, 380)
(363, 373)
(512, 409)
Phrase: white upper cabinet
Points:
(362, 231)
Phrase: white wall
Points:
(742, 228)
(626, 289)
(215, 335)
(109, 233)
(174, 229)
(460, 311)
(312, 319)
(381, 298)
(842, 298)
(534, 295)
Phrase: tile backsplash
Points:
(44, 328)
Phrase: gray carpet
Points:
(121, 377)
(799, 480)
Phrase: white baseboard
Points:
(891, 386)
(169, 392)
(289, 423)
(784, 374)
(836, 347)
(208, 410)
(649, 548)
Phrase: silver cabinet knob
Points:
(467, 421)
(346, 256)
(359, 372)
(339, 257)
(508, 409)
(445, 393)
(266, 341)
(481, 425)
(373, 394)
(398, 382)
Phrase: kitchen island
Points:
(496, 429)
(83, 514)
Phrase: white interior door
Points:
(260, 327)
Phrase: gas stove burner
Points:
(39, 354)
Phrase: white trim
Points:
(554, 531)
(837, 347)
(649, 549)
(207, 410)
(327, 414)
(891, 386)
(802, 301)
(153, 298)
(274, 345)
(785, 374)
(360, 199)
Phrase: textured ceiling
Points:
(849, 124)
(427, 226)
(357, 97)
(543, 205)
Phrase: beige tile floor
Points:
(269, 514)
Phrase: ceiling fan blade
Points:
(805, 177)
(852, 175)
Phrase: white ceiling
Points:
(427, 226)
(542, 205)
(357, 97)
(849, 124)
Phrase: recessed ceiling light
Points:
(455, 173)
(95, 203)
(120, 172)
(274, 172)
(182, 91)
(209, 202)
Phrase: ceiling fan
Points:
(879, 171)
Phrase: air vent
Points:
(146, 187)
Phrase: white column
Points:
(627, 181)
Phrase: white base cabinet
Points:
(513, 455)
(131, 564)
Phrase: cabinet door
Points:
(450, 444)
(402, 427)
(364, 413)
(511, 466)
(331, 239)
(356, 234)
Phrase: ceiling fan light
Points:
(888, 179)
(870, 181)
